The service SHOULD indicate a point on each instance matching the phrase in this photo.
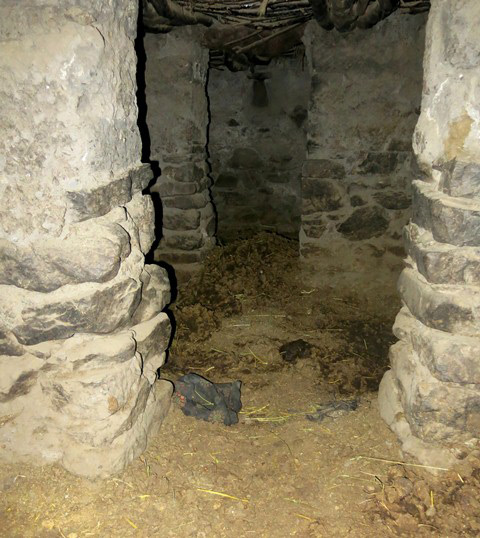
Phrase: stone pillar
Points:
(177, 119)
(81, 329)
(431, 396)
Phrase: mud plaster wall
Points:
(257, 145)
(356, 183)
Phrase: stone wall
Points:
(356, 183)
(431, 396)
(81, 329)
(257, 146)
(177, 118)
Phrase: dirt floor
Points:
(281, 471)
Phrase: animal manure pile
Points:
(247, 273)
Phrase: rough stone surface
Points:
(188, 219)
(321, 195)
(356, 180)
(448, 413)
(364, 223)
(461, 179)
(155, 292)
(89, 253)
(392, 411)
(441, 263)
(177, 117)
(257, 152)
(449, 123)
(449, 357)
(81, 330)
(431, 397)
(446, 308)
(451, 220)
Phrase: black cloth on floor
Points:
(213, 402)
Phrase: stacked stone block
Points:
(82, 332)
(177, 118)
(431, 395)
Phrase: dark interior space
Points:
(240, 253)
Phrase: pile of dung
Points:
(245, 273)
(414, 502)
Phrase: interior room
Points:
(240, 268)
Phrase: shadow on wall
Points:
(145, 136)
(257, 145)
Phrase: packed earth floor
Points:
(277, 473)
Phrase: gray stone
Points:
(19, 375)
(449, 121)
(397, 144)
(141, 211)
(364, 223)
(155, 293)
(320, 195)
(176, 256)
(86, 203)
(190, 172)
(195, 201)
(91, 252)
(356, 201)
(378, 163)
(9, 345)
(245, 158)
(181, 219)
(446, 308)
(314, 228)
(37, 317)
(393, 413)
(141, 176)
(152, 338)
(461, 179)
(441, 263)
(448, 413)
(75, 227)
(86, 351)
(323, 168)
(91, 462)
(299, 114)
(209, 220)
(393, 200)
(188, 240)
(451, 220)
(172, 188)
(449, 357)
(226, 181)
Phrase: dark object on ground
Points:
(213, 402)
(334, 409)
(297, 349)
